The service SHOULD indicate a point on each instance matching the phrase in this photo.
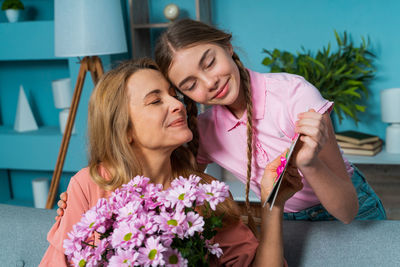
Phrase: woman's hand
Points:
(290, 184)
(314, 131)
(62, 204)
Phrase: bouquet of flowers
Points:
(142, 225)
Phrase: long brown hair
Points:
(109, 124)
(187, 33)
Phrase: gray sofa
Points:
(361, 243)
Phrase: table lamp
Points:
(390, 106)
(84, 28)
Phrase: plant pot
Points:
(12, 15)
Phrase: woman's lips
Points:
(178, 122)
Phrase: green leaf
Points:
(267, 61)
(352, 91)
(319, 64)
(360, 108)
(338, 40)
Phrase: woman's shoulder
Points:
(83, 179)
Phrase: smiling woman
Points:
(137, 126)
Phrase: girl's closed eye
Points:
(210, 63)
(190, 88)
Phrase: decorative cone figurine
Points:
(24, 120)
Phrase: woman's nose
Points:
(176, 105)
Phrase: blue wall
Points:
(255, 25)
(290, 24)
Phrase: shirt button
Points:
(314, 214)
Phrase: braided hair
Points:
(186, 33)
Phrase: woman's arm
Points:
(77, 205)
(321, 163)
(270, 249)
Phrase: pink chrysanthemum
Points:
(127, 236)
(173, 222)
(124, 258)
(174, 259)
(152, 253)
(195, 223)
(215, 193)
(214, 249)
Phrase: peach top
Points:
(237, 241)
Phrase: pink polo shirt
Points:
(277, 99)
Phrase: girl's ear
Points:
(230, 49)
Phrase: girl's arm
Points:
(270, 249)
(322, 165)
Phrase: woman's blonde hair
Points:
(109, 125)
(187, 33)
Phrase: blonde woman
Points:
(137, 126)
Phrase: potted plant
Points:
(342, 76)
(12, 9)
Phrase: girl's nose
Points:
(211, 82)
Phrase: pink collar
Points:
(258, 90)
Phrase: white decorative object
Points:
(12, 15)
(63, 120)
(24, 119)
(40, 187)
(390, 106)
(171, 12)
(62, 93)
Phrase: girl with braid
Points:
(258, 115)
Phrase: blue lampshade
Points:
(88, 28)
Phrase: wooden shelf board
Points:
(381, 158)
(27, 40)
(151, 25)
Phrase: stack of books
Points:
(357, 143)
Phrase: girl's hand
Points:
(62, 205)
(290, 184)
(314, 136)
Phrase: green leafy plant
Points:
(341, 76)
(12, 4)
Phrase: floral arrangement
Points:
(140, 224)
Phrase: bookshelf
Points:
(141, 24)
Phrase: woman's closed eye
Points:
(155, 101)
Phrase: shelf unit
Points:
(382, 158)
(31, 43)
(27, 58)
(141, 26)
